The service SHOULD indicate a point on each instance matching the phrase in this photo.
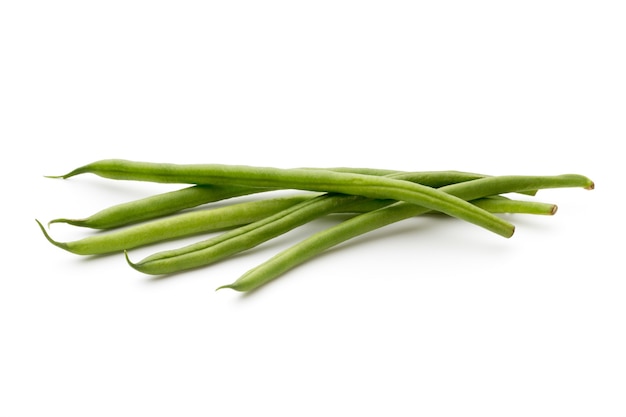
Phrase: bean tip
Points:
(47, 236)
(128, 259)
(56, 221)
(77, 171)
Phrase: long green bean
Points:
(180, 225)
(211, 220)
(174, 201)
(246, 237)
(158, 205)
(240, 239)
(243, 238)
(321, 241)
(302, 179)
(216, 248)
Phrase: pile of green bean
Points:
(372, 198)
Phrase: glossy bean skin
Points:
(181, 225)
(364, 223)
(370, 186)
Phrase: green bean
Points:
(209, 220)
(493, 204)
(174, 201)
(214, 249)
(363, 223)
(177, 226)
(240, 239)
(303, 179)
(500, 204)
(158, 172)
(157, 206)
(246, 237)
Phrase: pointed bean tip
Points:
(66, 176)
(56, 221)
(137, 266)
(73, 222)
(128, 261)
(57, 177)
(232, 286)
(49, 238)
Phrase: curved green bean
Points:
(246, 237)
(363, 223)
(302, 179)
(177, 226)
(174, 201)
(210, 220)
(251, 235)
(243, 238)
(240, 239)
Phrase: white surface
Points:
(431, 317)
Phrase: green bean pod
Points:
(184, 224)
(246, 237)
(493, 204)
(157, 206)
(240, 239)
(303, 179)
(500, 204)
(211, 220)
(243, 238)
(174, 201)
(251, 235)
(363, 223)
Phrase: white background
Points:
(430, 317)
